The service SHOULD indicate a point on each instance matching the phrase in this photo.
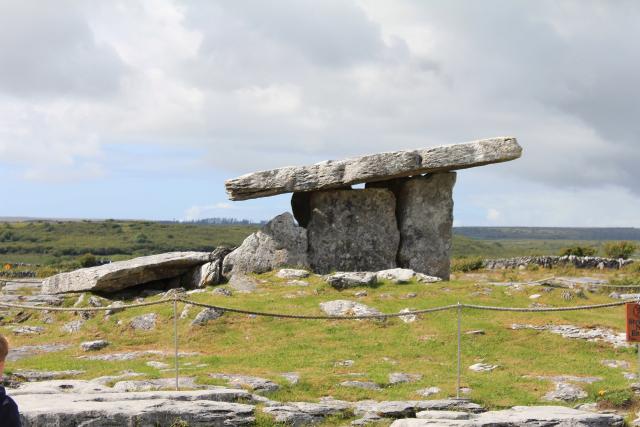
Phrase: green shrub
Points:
(622, 398)
(578, 250)
(88, 260)
(619, 249)
(465, 265)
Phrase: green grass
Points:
(61, 243)
(267, 347)
(58, 245)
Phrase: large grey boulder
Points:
(209, 273)
(376, 167)
(522, 416)
(280, 243)
(194, 408)
(425, 219)
(352, 230)
(124, 274)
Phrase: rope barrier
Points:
(317, 317)
(51, 308)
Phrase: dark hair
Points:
(4, 348)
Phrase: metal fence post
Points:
(175, 336)
(459, 351)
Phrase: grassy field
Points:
(60, 244)
(268, 347)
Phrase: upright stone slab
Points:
(352, 230)
(424, 212)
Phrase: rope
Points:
(50, 308)
(542, 309)
(319, 317)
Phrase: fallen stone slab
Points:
(124, 274)
(371, 168)
(22, 352)
(344, 280)
(523, 416)
(17, 286)
(123, 409)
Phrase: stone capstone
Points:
(124, 274)
(278, 244)
(352, 230)
(376, 167)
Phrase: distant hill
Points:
(548, 233)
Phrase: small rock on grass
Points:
(367, 385)
(205, 316)
(157, 365)
(344, 280)
(292, 377)
(401, 377)
(292, 273)
(145, 322)
(73, 326)
(482, 367)
(429, 391)
(94, 345)
(222, 291)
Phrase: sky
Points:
(142, 109)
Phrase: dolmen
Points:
(403, 216)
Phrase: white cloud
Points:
(253, 85)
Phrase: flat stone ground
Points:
(562, 358)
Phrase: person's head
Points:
(4, 350)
